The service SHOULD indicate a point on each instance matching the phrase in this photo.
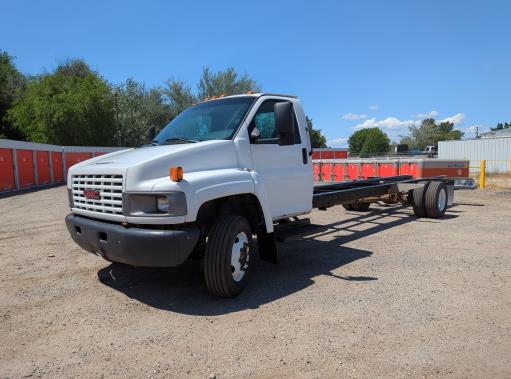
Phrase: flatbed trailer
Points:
(429, 197)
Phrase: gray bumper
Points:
(134, 246)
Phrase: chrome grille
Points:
(110, 192)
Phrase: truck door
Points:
(285, 172)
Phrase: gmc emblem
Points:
(91, 194)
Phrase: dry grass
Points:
(494, 181)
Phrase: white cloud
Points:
(373, 107)
(390, 123)
(431, 114)
(455, 119)
(338, 142)
(392, 126)
(354, 116)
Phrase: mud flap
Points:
(267, 246)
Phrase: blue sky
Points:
(353, 63)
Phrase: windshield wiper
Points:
(179, 139)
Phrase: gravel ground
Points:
(380, 293)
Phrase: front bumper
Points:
(134, 246)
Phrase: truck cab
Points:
(221, 172)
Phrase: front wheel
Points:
(227, 256)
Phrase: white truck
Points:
(223, 171)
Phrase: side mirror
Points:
(151, 133)
(285, 123)
(255, 134)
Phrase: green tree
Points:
(318, 140)
(368, 141)
(227, 82)
(501, 126)
(11, 82)
(71, 106)
(137, 109)
(179, 96)
(429, 133)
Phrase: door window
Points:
(264, 121)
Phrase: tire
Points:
(361, 207)
(436, 200)
(224, 276)
(348, 207)
(418, 200)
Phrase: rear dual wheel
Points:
(430, 200)
(227, 256)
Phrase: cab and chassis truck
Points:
(223, 171)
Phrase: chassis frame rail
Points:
(328, 195)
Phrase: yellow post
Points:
(482, 174)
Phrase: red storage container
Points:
(339, 172)
(353, 172)
(25, 168)
(387, 169)
(74, 158)
(327, 155)
(368, 169)
(7, 181)
(326, 172)
(414, 170)
(404, 168)
(451, 168)
(43, 167)
(341, 154)
(315, 171)
(56, 161)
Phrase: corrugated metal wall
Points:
(496, 152)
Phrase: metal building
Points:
(496, 152)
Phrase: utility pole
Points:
(118, 134)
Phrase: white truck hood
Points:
(146, 165)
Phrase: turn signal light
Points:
(176, 174)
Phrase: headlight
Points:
(161, 204)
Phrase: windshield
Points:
(218, 119)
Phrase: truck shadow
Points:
(182, 289)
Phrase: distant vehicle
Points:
(401, 149)
(430, 151)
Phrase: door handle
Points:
(304, 155)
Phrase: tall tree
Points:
(11, 82)
(368, 141)
(138, 109)
(318, 140)
(429, 133)
(227, 82)
(71, 106)
(179, 96)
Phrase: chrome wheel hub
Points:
(442, 200)
(240, 256)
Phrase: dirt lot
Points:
(380, 294)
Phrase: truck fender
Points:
(229, 183)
